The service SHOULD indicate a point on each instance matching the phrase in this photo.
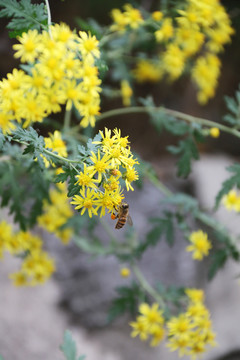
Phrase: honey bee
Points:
(123, 216)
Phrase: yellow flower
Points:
(6, 125)
(19, 278)
(86, 201)
(205, 74)
(157, 333)
(133, 16)
(200, 244)
(100, 164)
(126, 92)
(125, 272)
(120, 20)
(166, 30)
(129, 176)
(179, 343)
(5, 235)
(214, 132)
(84, 179)
(195, 295)
(140, 327)
(88, 45)
(180, 325)
(147, 71)
(29, 47)
(157, 15)
(173, 61)
(151, 315)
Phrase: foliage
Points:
(24, 15)
(69, 347)
(127, 301)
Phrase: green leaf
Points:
(188, 150)
(175, 126)
(233, 105)
(162, 227)
(230, 183)
(218, 260)
(68, 346)
(184, 202)
(127, 301)
(24, 15)
(1, 358)
(2, 139)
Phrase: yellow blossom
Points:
(86, 201)
(166, 30)
(214, 132)
(126, 92)
(29, 47)
(147, 71)
(125, 272)
(157, 15)
(200, 245)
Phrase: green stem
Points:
(67, 120)
(52, 154)
(146, 286)
(177, 114)
(49, 18)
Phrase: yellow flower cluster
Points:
(147, 71)
(232, 201)
(198, 33)
(191, 332)
(60, 71)
(100, 180)
(149, 323)
(122, 19)
(200, 245)
(36, 265)
(57, 213)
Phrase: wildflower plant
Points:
(58, 174)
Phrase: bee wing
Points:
(129, 220)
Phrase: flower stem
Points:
(49, 18)
(63, 159)
(175, 113)
(146, 286)
(67, 119)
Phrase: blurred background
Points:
(32, 321)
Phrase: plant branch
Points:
(175, 113)
(146, 286)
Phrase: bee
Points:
(123, 216)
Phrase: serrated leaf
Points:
(2, 139)
(91, 146)
(24, 15)
(233, 105)
(230, 183)
(127, 301)
(175, 126)
(186, 202)
(81, 357)
(68, 346)
(218, 260)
